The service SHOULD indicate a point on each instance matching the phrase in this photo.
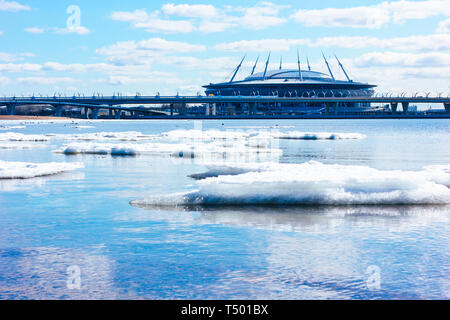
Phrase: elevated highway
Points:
(118, 104)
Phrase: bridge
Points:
(118, 104)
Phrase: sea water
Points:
(226, 209)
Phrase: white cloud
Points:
(260, 22)
(204, 18)
(357, 17)
(410, 43)
(4, 81)
(140, 19)
(406, 10)
(263, 8)
(214, 26)
(402, 78)
(45, 80)
(128, 70)
(426, 73)
(34, 30)
(12, 57)
(59, 67)
(399, 59)
(132, 52)
(199, 65)
(261, 16)
(8, 57)
(151, 77)
(192, 11)
(155, 45)
(135, 16)
(165, 26)
(262, 45)
(12, 6)
(372, 17)
(436, 42)
(20, 67)
(444, 26)
(76, 30)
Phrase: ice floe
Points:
(296, 135)
(250, 137)
(257, 134)
(118, 136)
(313, 183)
(25, 170)
(15, 146)
(100, 136)
(177, 150)
(83, 127)
(13, 136)
(207, 135)
(11, 127)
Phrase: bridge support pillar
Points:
(447, 107)
(171, 109)
(10, 109)
(253, 107)
(117, 114)
(86, 111)
(58, 110)
(394, 107)
(327, 108)
(183, 108)
(94, 114)
(405, 106)
(336, 106)
(110, 113)
(230, 109)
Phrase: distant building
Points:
(290, 83)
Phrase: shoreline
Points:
(7, 117)
(243, 117)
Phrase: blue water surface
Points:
(84, 219)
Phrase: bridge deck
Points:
(115, 104)
(134, 100)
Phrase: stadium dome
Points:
(290, 74)
(291, 83)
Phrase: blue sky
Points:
(178, 46)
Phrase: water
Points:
(83, 220)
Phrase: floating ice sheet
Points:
(313, 183)
(247, 136)
(190, 151)
(13, 136)
(257, 134)
(25, 170)
(296, 135)
(15, 146)
(11, 127)
(117, 136)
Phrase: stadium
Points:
(290, 83)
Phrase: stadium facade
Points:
(290, 83)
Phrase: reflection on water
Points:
(322, 252)
(10, 185)
(299, 218)
(42, 272)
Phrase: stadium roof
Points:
(289, 74)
